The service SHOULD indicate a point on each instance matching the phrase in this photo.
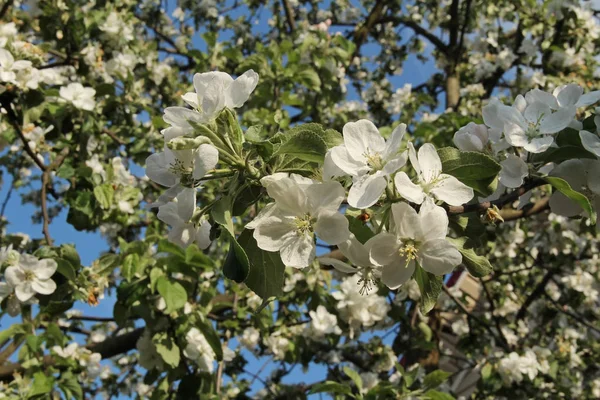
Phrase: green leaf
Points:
(70, 386)
(164, 246)
(330, 387)
(256, 134)
(104, 195)
(189, 387)
(435, 379)
(129, 267)
(305, 145)
(359, 229)
(166, 347)
(478, 266)
(174, 294)
(486, 371)
(437, 395)
(562, 186)
(66, 269)
(212, 338)
(310, 78)
(11, 332)
(155, 273)
(237, 266)
(430, 286)
(42, 385)
(468, 165)
(68, 252)
(352, 374)
(267, 272)
(221, 213)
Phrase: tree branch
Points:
(107, 349)
(535, 294)
(289, 15)
(45, 182)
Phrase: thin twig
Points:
(486, 326)
(564, 309)
(45, 182)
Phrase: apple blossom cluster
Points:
(24, 277)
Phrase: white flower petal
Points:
(203, 235)
(206, 158)
(562, 205)
(395, 164)
(272, 233)
(513, 171)
(438, 256)
(45, 268)
(362, 137)
(433, 221)
(14, 276)
(157, 169)
(539, 144)
(332, 227)
(325, 196)
(393, 144)
(395, 275)
(536, 95)
(239, 91)
(44, 286)
(366, 190)
(342, 159)
(557, 121)
(429, 161)
(452, 191)
(515, 135)
(568, 95)
(407, 189)
(588, 99)
(186, 203)
(24, 292)
(169, 214)
(298, 251)
(590, 142)
(384, 249)
(406, 221)
(535, 111)
(288, 195)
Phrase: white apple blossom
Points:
(7, 31)
(5, 290)
(358, 308)
(277, 345)
(472, 137)
(571, 95)
(171, 167)
(148, 356)
(199, 350)
(121, 65)
(81, 97)
(9, 68)
(302, 209)
(31, 276)
(431, 180)
(115, 27)
(178, 215)
(419, 238)
(250, 338)
(68, 352)
(214, 91)
(322, 323)
(369, 159)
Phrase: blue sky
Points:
(91, 245)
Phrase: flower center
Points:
(29, 276)
(367, 280)
(374, 161)
(304, 224)
(532, 131)
(408, 250)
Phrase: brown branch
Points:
(536, 293)
(490, 299)
(565, 310)
(419, 30)
(107, 349)
(113, 136)
(45, 182)
(485, 325)
(289, 15)
(5, 7)
(91, 318)
(527, 211)
(361, 34)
